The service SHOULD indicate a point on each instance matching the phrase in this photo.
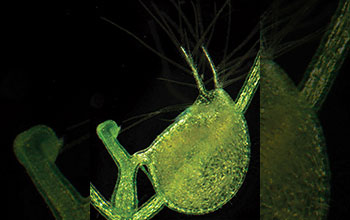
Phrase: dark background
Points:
(334, 114)
(48, 61)
(136, 91)
(65, 66)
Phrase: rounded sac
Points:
(294, 171)
(199, 162)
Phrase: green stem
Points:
(123, 203)
(37, 149)
(250, 85)
(102, 205)
(328, 59)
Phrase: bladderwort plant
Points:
(294, 168)
(191, 169)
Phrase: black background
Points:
(334, 114)
(141, 93)
(49, 58)
(64, 66)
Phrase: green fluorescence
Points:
(294, 168)
(37, 149)
(196, 165)
(199, 162)
(293, 165)
(194, 169)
